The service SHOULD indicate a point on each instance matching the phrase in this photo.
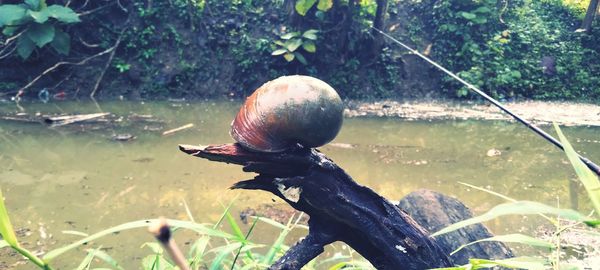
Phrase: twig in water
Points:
(162, 232)
(171, 131)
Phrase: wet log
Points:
(435, 211)
(339, 208)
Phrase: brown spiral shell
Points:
(287, 111)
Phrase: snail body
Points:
(287, 111)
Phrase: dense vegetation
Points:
(209, 48)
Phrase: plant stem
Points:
(37, 261)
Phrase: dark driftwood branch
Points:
(339, 208)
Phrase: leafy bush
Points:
(520, 49)
(290, 42)
(35, 25)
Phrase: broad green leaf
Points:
(289, 57)
(279, 42)
(11, 13)
(199, 228)
(38, 16)
(511, 238)
(593, 223)
(61, 42)
(300, 58)
(40, 34)
(6, 228)
(310, 34)
(293, 44)
(302, 6)
(482, 10)
(479, 20)
(290, 35)
(3, 244)
(33, 4)
(309, 46)
(63, 14)
(515, 208)
(279, 52)
(589, 180)
(325, 5)
(468, 15)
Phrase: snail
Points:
(288, 111)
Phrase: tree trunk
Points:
(379, 23)
(589, 16)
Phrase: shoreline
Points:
(537, 112)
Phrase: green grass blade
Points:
(278, 244)
(107, 259)
(87, 261)
(511, 238)
(3, 244)
(515, 208)
(586, 176)
(249, 254)
(199, 228)
(197, 251)
(237, 231)
(224, 251)
(529, 263)
(6, 228)
(271, 222)
(489, 191)
(78, 233)
(187, 211)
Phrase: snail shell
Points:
(287, 111)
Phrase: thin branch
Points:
(8, 40)
(88, 44)
(88, 12)
(110, 58)
(8, 53)
(20, 91)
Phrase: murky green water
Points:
(70, 178)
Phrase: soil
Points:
(538, 112)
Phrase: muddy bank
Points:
(538, 112)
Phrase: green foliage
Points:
(500, 48)
(289, 43)
(303, 6)
(31, 22)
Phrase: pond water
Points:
(77, 178)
